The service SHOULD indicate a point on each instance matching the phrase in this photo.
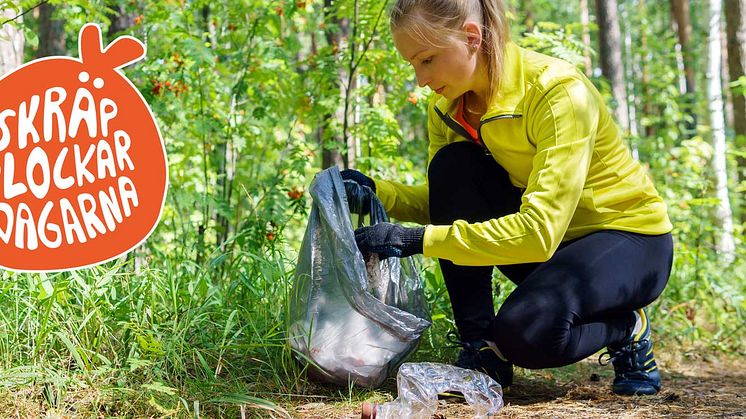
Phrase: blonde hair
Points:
(430, 20)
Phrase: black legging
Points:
(563, 310)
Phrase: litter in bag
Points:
(352, 319)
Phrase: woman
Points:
(527, 171)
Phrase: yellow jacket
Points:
(550, 129)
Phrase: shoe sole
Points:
(644, 391)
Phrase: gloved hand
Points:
(358, 197)
(389, 240)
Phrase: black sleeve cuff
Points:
(412, 241)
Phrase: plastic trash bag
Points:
(418, 385)
(343, 325)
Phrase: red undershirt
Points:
(464, 123)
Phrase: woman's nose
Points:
(422, 80)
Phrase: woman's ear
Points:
(473, 32)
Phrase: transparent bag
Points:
(346, 326)
(419, 384)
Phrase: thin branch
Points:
(23, 13)
(354, 64)
(350, 77)
(353, 47)
(370, 40)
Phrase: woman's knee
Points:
(529, 336)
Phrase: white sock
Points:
(638, 324)
(499, 354)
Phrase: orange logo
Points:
(83, 171)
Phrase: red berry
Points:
(295, 193)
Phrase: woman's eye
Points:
(427, 60)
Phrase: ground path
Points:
(692, 389)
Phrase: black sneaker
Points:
(480, 356)
(636, 372)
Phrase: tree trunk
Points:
(333, 144)
(585, 21)
(683, 26)
(724, 216)
(219, 159)
(735, 21)
(679, 52)
(735, 28)
(353, 142)
(121, 19)
(51, 32)
(680, 11)
(11, 43)
(724, 77)
(641, 65)
(611, 56)
(629, 75)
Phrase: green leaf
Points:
(243, 399)
(160, 388)
(45, 287)
(31, 37)
(73, 349)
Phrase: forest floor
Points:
(693, 387)
(713, 388)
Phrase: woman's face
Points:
(449, 71)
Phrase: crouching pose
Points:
(527, 172)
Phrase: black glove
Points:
(358, 197)
(389, 240)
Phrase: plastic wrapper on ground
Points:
(420, 383)
(343, 325)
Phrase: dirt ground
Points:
(691, 389)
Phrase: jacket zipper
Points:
(492, 118)
(454, 125)
(462, 131)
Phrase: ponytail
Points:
(495, 34)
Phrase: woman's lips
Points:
(439, 90)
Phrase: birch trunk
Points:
(724, 216)
(11, 43)
(724, 77)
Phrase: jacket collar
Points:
(509, 98)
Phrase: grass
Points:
(167, 341)
(177, 340)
